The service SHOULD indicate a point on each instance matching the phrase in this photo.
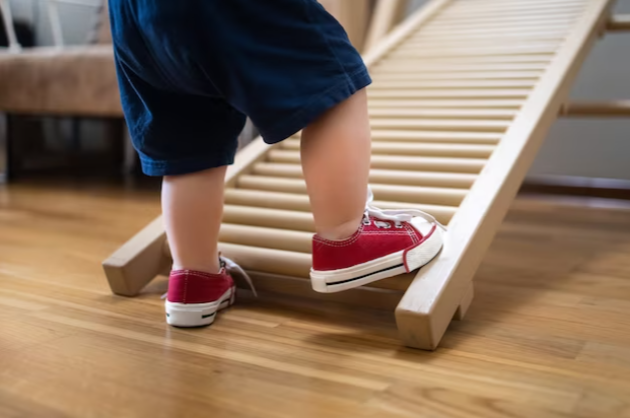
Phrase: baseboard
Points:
(577, 186)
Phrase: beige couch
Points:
(71, 81)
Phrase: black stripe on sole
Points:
(364, 276)
(209, 315)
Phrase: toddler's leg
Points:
(355, 244)
(192, 205)
(336, 163)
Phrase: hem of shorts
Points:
(320, 103)
(184, 166)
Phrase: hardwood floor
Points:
(547, 335)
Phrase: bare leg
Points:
(336, 162)
(192, 205)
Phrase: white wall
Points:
(76, 20)
(594, 147)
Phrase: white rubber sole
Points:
(381, 268)
(197, 314)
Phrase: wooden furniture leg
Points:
(138, 261)
(462, 309)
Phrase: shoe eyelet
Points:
(399, 226)
(384, 225)
(366, 222)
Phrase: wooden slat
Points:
(502, 50)
(509, 17)
(461, 114)
(482, 59)
(441, 125)
(432, 67)
(452, 165)
(501, 25)
(455, 15)
(484, 47)
(279, 239)
(492, 5)
(399, 177)
(437, 84)
(465, 12)
(445, 104)
(379, 77)
(481, 38)
(483, 41)
(479, 94)
(429, 136)
(266, 259)
(422, 149)
(397, 193)
(269, 218)
(296, 202)
(498, 28)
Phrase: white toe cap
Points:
(422, 225)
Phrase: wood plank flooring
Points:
(547, 335)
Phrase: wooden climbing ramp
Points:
(464, 93)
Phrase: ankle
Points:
(201, 268)
(340, 232)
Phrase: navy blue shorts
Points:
(191, 71)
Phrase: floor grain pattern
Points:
(547, 334)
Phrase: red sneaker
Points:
(195, 297)
(388, 243)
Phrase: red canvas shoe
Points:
(388, 243)
(195, 297)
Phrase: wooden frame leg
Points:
(137, 262)
(462, 309)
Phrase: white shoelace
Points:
(230, 265)
(395, 215)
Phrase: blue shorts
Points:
(191, 71)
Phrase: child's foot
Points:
(388, 243)
(195, 297)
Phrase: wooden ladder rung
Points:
(300, 202)
(437, 136)
(441, 125)
(619, 23)
(437, 84)
(378, 77)
(421, 149)
(615, 108)
(453, 67)
(445, 104)
(449, 94)
(270, 218)
(396, 193)
(398, 177)
(451, 165)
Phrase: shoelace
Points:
(230, 265)
(395, 215)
